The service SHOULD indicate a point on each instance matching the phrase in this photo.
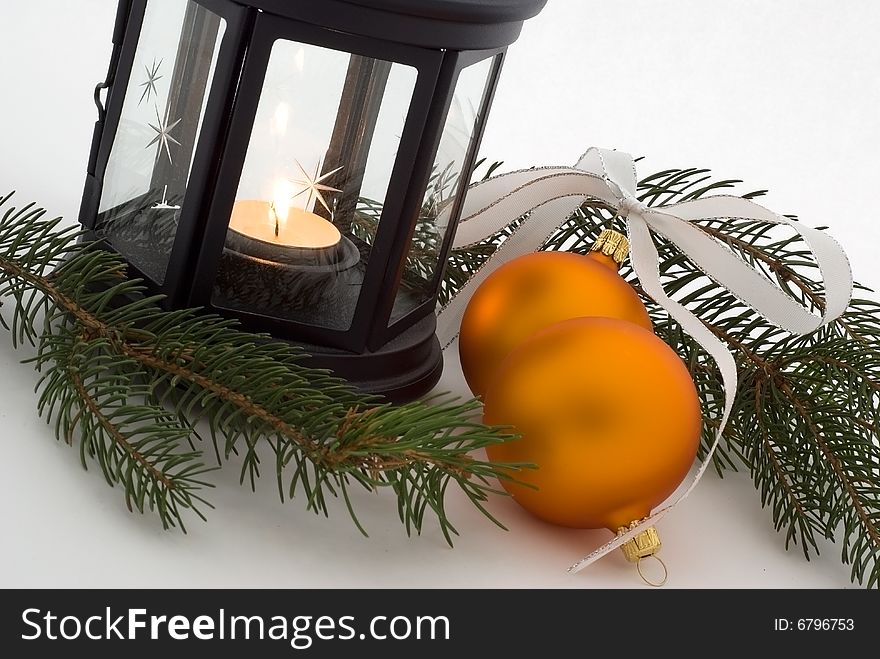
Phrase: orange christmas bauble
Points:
(609, 414)
(532, 292)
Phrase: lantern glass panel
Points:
(422, 266)
(313, 185)
(153, 148)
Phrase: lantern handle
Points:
(122, 11)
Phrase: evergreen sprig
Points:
(806, 421)
(129, 381)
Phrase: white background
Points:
(782, 94)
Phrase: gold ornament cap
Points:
(612, 243)
(647, 543)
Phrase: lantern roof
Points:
(447, 24)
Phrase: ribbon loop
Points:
(547, 197)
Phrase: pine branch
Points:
(807, 410)
(131, 381)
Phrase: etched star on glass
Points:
(313, 184)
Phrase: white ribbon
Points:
(549, 196)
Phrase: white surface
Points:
(784, 94)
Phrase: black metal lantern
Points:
(299, 164)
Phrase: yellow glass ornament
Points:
(536, 290)
(609, 414)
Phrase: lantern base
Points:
(403, 369)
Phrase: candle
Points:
(276, 223)
(286, 256)
(291, 227)
(277, 231)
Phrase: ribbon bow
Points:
(548, 196)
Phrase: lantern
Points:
(299, 165)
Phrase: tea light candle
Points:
(278, 224)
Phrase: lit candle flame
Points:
(279, 209)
